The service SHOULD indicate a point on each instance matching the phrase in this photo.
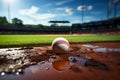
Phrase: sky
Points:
(42, 11)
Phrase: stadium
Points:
(59, 40)
(96, 27)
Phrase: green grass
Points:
(28, 40)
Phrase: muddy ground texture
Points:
(92, 61)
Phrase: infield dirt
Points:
(88, 61)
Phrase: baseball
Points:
(60, 46)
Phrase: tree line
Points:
(15, 22)
(19, 22)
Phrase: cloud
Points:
(90, 7)
(33, 13)
(80, 8)
(29, 21)
(69, 11)
(83, 7)
(63, 2)
(43, 16)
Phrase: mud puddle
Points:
(84, 62)
(90, 47)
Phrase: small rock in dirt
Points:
(47, 68)
(9, 50)
(2, 73)
(17, 73)
(88, 57)
(13, 70)
(77, 55)
(11, 66)
(19, 70)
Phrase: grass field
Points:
(28, 40)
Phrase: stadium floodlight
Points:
(115, 7)
(9, 11)
(8, 2)
(109, 8)
(82, 11)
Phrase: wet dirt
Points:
(90, 61)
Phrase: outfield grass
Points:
(27, 40)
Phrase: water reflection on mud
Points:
(91, 48)
(106, 50)
(60, 63)
(40, 63)
(88, 62)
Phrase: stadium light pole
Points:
(115, 7)
(9, 11)
(108, 8)
(82, 11)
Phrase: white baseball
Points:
(60, 46)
